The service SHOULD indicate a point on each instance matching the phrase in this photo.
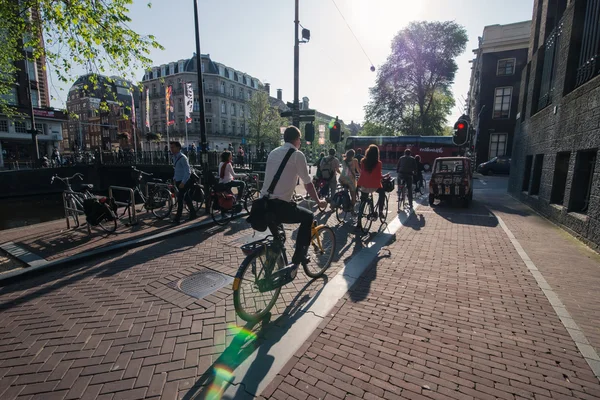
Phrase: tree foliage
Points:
(264, 122)
(374, 129)
(412, 92)
(67, 34)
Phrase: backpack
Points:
(325, 167)
(96, 212)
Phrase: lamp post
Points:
(203, 138)
(295, 114)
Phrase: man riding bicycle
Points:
(281, 206)
(407, 168)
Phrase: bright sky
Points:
(257, 37)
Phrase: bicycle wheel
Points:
(162, 203)
(340, 214)
(383, 215)
(249, 196)
(250, 303)
(72, 213)
(401, 199)
(320, 251)
(196, 194)
(109, 225)
(365, 216)
(219, 215)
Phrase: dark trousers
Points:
(408, 184)
(380, 200)
(289, 213)
(240, 185)
(180, 196)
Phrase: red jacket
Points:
(370, 180)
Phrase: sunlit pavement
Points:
(448, 310)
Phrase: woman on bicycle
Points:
(350, 170)
(227, 177)
(370, 179)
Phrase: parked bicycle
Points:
(158, 200)
(195, 193)
(261, 275)
(98, 212)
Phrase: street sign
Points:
(288, 114)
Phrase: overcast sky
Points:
(257, 37)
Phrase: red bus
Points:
(391, 148)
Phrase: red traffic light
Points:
(460, 125)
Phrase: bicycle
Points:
(251, 192)
(401, 195)
(75, 200)
(261, 275)
(195, 193)
(158, 201)
(346, 206)
(366, 218)
(224, 204)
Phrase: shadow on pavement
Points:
(477, 214)
(250, 338)
(360, 290)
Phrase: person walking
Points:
(181, 177)
(330, 168)
(419, 183)
(359, 156)
(370, 181)
(407, 169)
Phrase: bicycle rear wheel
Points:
(384, 214)
(250, 304)
(162, 203)
(109, 225)
(365, 216)
(196, 194)
(218, 214)
(320, 251)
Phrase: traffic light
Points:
(309, 132)
(461, 132)
(334, 132)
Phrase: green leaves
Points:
(78, 33)
(412, 93)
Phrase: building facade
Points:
(555, 168)
(16, 143)
(226, 92)
(494, 91)
(95, 127)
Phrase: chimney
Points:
(268, 88)
(279, 94)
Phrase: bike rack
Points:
(76, 210)
(131, 214)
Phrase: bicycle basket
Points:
(388, 185)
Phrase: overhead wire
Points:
(353, 34)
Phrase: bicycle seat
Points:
(85, 186)
(157, 180)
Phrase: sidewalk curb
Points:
(40, 267)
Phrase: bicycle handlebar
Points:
(141, 172)
(66, 180)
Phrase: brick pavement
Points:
(100, 329)
(450, 311)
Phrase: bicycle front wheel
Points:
(384, 214)
(320, 251)
(365, 217)
(250, 303)
(162, 203)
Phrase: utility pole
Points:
(35, 157)
(295, 115)
(203, 138)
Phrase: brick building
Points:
(494, 91)
(554, 162)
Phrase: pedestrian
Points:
(359, 156)
(230, 148)
(181, 177)
(407, 169)
(419, 183)
(318, 165)
(330, 168)
(240, 156)
(370, 181)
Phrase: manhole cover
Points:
(202, 283)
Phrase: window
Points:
(527, 173)
(40, 128)
(559, 182)
(227, 73)
(223, 107)
(497, 144)
(31, 70)
(154, 88)
(224, 126)
(162, 70)
(181, 66)
(222, 87)
(232, 109)
(231, 91)
(502, 101)
(162, 107)
(3, 125)
(506, 67)
(208, 103)
(20, 127)
(233, 127)
(210, 87)
(248, 95)
(202, 64)
(242, 130)
(241, 111)
(450, 166)
(11, 97)
(536, 179)
(583, 178)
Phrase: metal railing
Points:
(131, 211)
(550, 63)
(76, 212)
(589, 63)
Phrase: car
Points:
(451, 178)
(497, 165)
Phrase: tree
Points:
(66, 34)
(373, 129)
(412, 92)
(264, 121)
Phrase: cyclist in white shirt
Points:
(284, 210)
(227, 175)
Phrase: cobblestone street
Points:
(448, 309)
